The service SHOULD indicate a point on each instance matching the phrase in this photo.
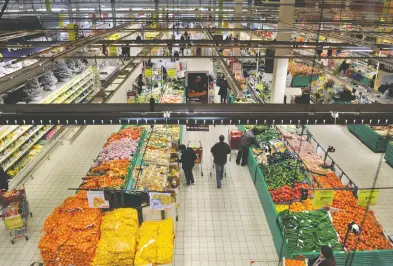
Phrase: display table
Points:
(303, 81)
(369, 137)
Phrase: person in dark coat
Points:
(140, 83)
(220, 152)
(326, 258)
(344, 67)
(187, 160)
(164, 73)
(223, 92)
(245, 143)
(4, 177)
(182, 38)
(138, 38)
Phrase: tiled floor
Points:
(360, 164)
(224, 226)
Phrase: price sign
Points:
(364, 196)
(323, 198)
(260, 86)
(160, 201)
(171, 73)
(13, 222)
(113, 51)
(148, 73)
(96, 199)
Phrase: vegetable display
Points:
(308, 231)
(284, 174)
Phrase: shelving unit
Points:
(77, 90)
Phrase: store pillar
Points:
(286, 19)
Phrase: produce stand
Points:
(389, 154)
(334, 174)
(369, 137)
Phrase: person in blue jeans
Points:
(220, 152)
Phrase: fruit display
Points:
(308, 227)
(298, 69)
(122, 149)
(155, 243)
(117, 245)
(152, 177)
(308, 231)
(291, 262)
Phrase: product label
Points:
(96, 199)
(13, 222)
(364, 196)
(323, 198)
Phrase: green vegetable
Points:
(282, 174)
(308, 231)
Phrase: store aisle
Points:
(360, 164)
(224, 226)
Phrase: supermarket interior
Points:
(196, 132)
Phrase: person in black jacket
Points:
(140, 83)
(326, 258)
(4, 177)
(223, 92)
(245, 143)
(220, 152)
(187, 160)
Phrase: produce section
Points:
(287, 176)
(374, 137)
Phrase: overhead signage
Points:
(171, 72)
(148, 73)
(72, 30)
(323, 198)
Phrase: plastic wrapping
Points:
(155, 243)
(117, 244)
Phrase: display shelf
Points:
(70, 93)
(7, 130)
(89, 93)
(389, 154)
(369, 137)
(28, 148)
(78, 93)
(19, 144)
(19, 134)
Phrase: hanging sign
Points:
(96, 199)
(323, 198)
(72, 30)
(365, 195)
(160, 201)
(171, 73)
(148, 73)
(61, 19)
(113, 51)
(13, 222)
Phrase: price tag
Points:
(148, 73)
(260, 86)
(323, 198)
(171, 73)
(13, 222)
(365, 195)
(160, 201)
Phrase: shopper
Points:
(187, 160)
(223, 92)
(198, 51)
(164, 73)
(245, 143)
(325, 258)
(138, 38)
(140, 83)
(358, 76)
(182, 38)
(4, 177)
(344, 67)
(220, 152)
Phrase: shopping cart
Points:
(213, 166)
(16, 212)
(234, 138)
(198, 151)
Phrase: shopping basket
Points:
(198, 149)
(15, 213)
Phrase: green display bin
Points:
(369, 137)
(389, 154)
(302, 81)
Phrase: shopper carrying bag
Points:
(220, 152)
(4, 177)
(187, 160)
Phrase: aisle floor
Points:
(360, 164)
(224, 226)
